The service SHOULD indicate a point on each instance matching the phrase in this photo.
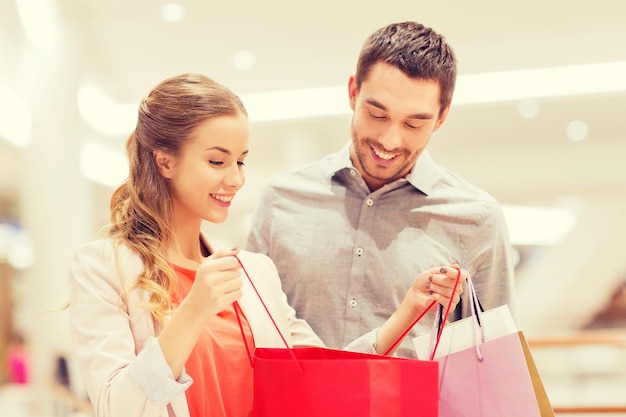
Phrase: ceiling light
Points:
(528, 108)
(490, 87)
(536, 83)
(535, 225)
(108, 117)
(294, 104)
(15, 119)
(103, 165)
(104, 115)
(40, 20)
(172, 12)
(577, 130)
(243, 60)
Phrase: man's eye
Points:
(376, 116)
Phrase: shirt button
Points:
(369, 202)
(353, 303)
(359, 251)
(353, 173)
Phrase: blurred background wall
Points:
(538, 120)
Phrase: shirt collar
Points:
(424, 173)
(340, 160)
(422, 176)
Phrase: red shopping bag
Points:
(335, 383)
(320, 382)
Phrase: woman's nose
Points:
(235, 177)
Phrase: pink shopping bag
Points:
(498, 385)
(485, 366)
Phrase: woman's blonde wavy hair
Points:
(141, 208)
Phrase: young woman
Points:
(160, 317)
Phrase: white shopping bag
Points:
(462, 334)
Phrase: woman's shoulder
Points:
(255, 259)
(257, 265)
(105, 248)
(106, 257)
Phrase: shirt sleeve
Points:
(365, 343)
(491, 265)
(154, 377)
(260, 227)
(118, 357)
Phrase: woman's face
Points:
(206, 176)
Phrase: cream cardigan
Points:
(119, 358)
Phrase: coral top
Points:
(219, 363)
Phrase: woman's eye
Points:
(241, 163)
(216, 163)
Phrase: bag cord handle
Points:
(438, 325)
(243, 335)
(394, 344)
(408, 329)
(476, 308)
(268, 313)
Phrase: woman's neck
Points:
(185, 248)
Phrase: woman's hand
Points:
(217, 284)
(435, 284)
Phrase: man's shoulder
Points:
(309, 174)
(452, 184)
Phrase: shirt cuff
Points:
(154, 377)
(365, 343)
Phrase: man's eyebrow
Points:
(417, 116)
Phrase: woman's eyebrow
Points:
(224, 150)
(219, 148)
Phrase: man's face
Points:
(394, 117)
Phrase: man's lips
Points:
(382, 157)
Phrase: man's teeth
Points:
(384, 155)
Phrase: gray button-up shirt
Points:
(347, 256)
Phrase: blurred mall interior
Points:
(538, 120)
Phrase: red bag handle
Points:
(236, 305)
(456, 284)
(445, 316)
(479, 330)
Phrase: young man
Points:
(350, 232)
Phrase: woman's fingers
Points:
(218, 282)
(441, 281)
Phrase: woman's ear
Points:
(164, 163)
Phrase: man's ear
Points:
(352, 91)
(441, 118)
(164, 163)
